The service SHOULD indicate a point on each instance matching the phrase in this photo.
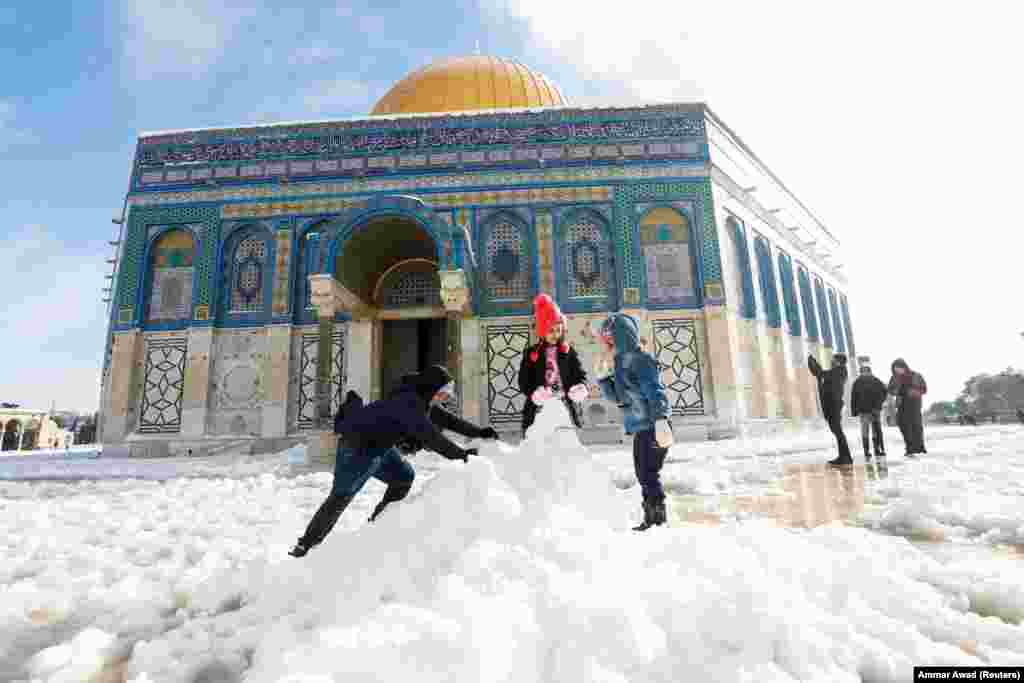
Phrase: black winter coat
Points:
(867, 395)
(401, 417)
(531, 378)
(831, 383)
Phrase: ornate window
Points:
(507, 272)
(826, 326)
(807, 299)
(744, 272)
(170, 294)
(411, 283)
(789, 294)
(769, 294)
(248, 257)
(665, 241)
(846, 323)
(837, 324)
(586, 278)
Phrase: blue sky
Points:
(898, 128)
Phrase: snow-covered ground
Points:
(520, 566)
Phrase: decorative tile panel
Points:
(163, 385)
(505, 346)
(675, 349)
(282, 272)
(308, 375)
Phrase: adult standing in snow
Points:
(366, 447)
(551, 368)
(909, 387)
(866, 400)
(831, 383)
(629, 376)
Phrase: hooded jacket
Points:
(867, 395)
(910, 386)
(831, 383)
(403, 415)
(635, 385)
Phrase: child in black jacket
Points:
(551, 369)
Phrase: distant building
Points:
(259, 259)
(25, 429)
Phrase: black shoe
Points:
(867, 457)
(648, 522)
(840, 462)
(299, 550)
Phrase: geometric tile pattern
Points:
(205, 223)
(698, 191)
(505, 346)
(587, 257)
(675, 348)
(308, 372)
(170, 296)
(164, 383)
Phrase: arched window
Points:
(668, 257)
(586, 280)
(507, 261)
(846, 323)
(837, 324)
(769, 294)
(311, 258)
(826, 326)
(247, 272)
(170, 278)
(789, 294)
(744, 272)
(807, 299)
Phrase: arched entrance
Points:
(390, 264)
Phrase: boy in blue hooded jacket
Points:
(630, 378)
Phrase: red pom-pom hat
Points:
(547, 314)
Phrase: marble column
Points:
(197, 382)
(275, 380)
(722, 360)
(125, 378)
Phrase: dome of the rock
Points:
(469, 84)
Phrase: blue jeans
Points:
(648, 459)
(354, 467)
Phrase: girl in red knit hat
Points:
(551, 369)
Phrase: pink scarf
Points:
(551, 374)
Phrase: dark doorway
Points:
(411, 346)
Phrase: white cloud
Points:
(331, 97)
(891, 121)
(54, 321)
(164, 37)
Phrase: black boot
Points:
(648, 518)
(841, 462)
(321, 524)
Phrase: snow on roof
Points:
(366, 118)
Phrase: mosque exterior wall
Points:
(216, 335)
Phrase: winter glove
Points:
(663, 433)
(488, 433)
(603, 367)
(541, 395)
(578, 393)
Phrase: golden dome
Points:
(469, 84)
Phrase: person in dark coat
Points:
(631, 378)
(551, 368)
(866, 400)
(909, 387)
(366, 446)
(831, 384)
